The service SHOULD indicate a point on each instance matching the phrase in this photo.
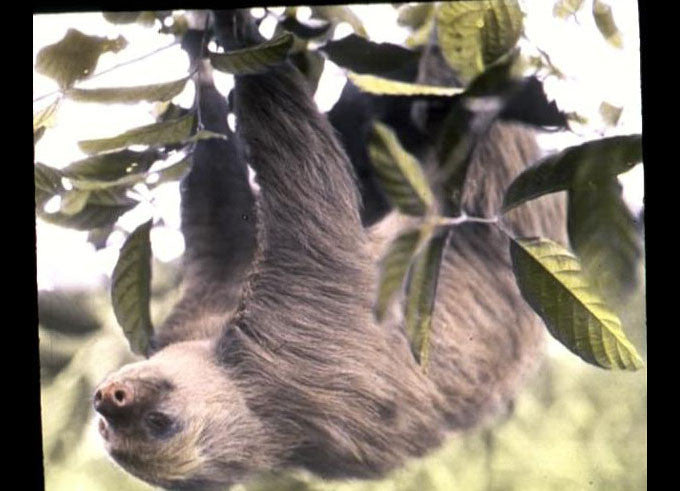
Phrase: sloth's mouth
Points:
(103, 429)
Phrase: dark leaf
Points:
(74, 57)
(604, 19)
(121, 17)
(101, 208)
(37, 134)
(111, 166)
(129, 95)
(98, 236)
(166, 111)
(166, 132)
(47, 183)
(591, 160)
(363, 56)
(530, 105)
(393, 267)
(90, 217)
(604, 235)
(131, 289)
(73, 201)
(174, 172)
(305, 30)
(421, 291)
(565, 8)
(254, 59)
(399, 173)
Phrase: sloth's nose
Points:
(113, 400)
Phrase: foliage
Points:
(478, 41)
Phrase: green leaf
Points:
(83, 187)
(174, 172)
(420, 295)
(47, 184)
(207, 135)
(474, 34)
(255, 59)
(551, 281)
(596, 159)
(503, 21)
(602, 231)
(337, 14)
(610, 114)
(399, 173)
(363, 56)
(74, 57)
(73, 201)
(383, 86)
(46, 116)
(395, 264)
(565, 8)
(129, 95)
(415, 15)
(47, 179)
(115, 195)
(422, 34)
(90, 217)
(111, 166)
(81, 210)
(131, 288)
(165, 111)
(173, 131)
(604, 20)
(98, 236)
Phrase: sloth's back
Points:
(485, 340)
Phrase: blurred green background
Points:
(574, 427)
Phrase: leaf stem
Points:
(463, 218)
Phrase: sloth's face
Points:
(163, 419)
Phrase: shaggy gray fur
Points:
(218, 224)
(302, 375)
(341, 395)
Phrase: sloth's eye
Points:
(158, 423)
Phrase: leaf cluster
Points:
(477, 41)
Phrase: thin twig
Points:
(497, 221)
(466, 219)
(128, 62)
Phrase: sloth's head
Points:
(176, 420)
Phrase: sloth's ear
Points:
(232, 344)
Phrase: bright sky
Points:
(596, 72)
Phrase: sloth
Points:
(273, 358)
